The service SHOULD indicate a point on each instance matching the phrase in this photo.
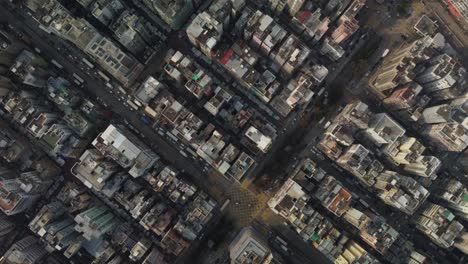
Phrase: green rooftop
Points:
(315, 237)
(51, 139)
(309, 168)
(448, 215)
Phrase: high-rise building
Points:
(344, 31)
(291, 54)
(298, 92)
(400, 192)
(57, 19)
(277, 6)
(439, 224)
(250, 247)
(6, 85)
(397, 67)
(383, 129)
(448, 136)
(121, 145)
(440, 72)
(204, 32)
(336, 7)
(437, 114)
(41, 124)
(30, 69)
(331, 49)
(424, 166)
(361, 163)
(25, 251)
(155, 256)
(264, 33)
(6, 226)
(333, 196)
(288, 199)
(352, 10)
(454, 195)
(93, 169)
(62, 93)
(373, 229)
(294, 6)
(459, 90)
(95, 222)
(403, 97)
(174, 12)
(10, 47)
(405, 150)
(18, 192)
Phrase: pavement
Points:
(245, 205)
(96, 89)
(454, 30)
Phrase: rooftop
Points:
(148, 90)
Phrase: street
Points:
(245, 202)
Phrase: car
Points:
(145, 120)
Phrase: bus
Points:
(56, 64)
(103, 76)
(88, 63)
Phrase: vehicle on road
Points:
(103, 76)
(133, 105)
(146, 120)
(78, 78)
(385, 53)
(88, 63)
(56, 64)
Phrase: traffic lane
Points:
(393, 216)
(299, 251)
(398, 220)
(166, 150)
(300, 247)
